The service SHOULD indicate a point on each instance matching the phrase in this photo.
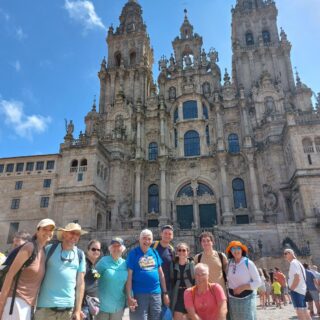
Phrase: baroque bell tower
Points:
(127, 73)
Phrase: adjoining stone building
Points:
(199, 150)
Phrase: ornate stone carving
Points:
(124, 208)
(172, 93)
(270, 199)
(236, 165)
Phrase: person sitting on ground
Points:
(32, 256)
(205, 301)
(276, 287)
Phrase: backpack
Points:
(170, 247)
(189, 272)
(222, 264)
(54, 247)
(7, 264)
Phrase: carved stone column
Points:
(196, 219)
(258, 214)
(227, 215)
(163, 193)
(137, 196)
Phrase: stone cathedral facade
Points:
(201, 148)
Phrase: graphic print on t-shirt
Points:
(147, 263)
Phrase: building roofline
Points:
(32, 156)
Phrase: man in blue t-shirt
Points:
(62, 288)
(145, 280)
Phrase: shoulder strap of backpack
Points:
(222, 266)
(212, 289)
(190, 272)
(51, 251)
(80, 255)
(155, 244)
(193, 293)
(199, 257)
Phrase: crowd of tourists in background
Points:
(42, 279)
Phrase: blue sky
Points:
(51, 51)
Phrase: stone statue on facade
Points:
(188, 61)
(119, 131)
(270, 199)
(172, 93)
(69, 127)
(269, 105)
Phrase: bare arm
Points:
(132, 303)
(295, 282)
(192, 314)
(22, 256)
(79, 295)
(222, 310)
(166, 300)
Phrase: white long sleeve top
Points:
(243, 273)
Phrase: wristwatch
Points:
(165, 292)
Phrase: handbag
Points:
(93, 304)
(166, 313)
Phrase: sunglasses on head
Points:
(95, 249)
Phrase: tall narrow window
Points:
(233, 143)
(10, 167)
(1, 168)
(249, 39)
(153, 198)
(191, 143)
(50, 165)
(132, 58)
(14, 227)
(117, 58)
(175, 115)
(18, 185)
(266, 36)
(205, 111)
(40, 165)
(46, 183)
(30, 166)
(239, 194)
(317, 143)
(207, 135)
(153, 151)
(190, 110)
(15, 204)
(175, 138)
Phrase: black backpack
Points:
(221, 260)
(7, 264)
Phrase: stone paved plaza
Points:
(271, 313)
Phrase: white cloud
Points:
(83, 12)
(16, 65)
(23, 125)
(20, 34)
(4, 14)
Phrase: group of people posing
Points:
(58, 281)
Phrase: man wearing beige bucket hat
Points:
(62, 289)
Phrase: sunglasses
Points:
(235, 249)
(95, 249)
(285, 253)
(63, 259)
(182, 250)
(234, 268)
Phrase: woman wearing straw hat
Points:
(25, 274)
(243, 279)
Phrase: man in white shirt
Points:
(297, 285)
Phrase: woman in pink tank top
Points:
(30, 263)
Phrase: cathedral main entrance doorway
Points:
(196, 205)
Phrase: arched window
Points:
(83, 162)
(175, 138)
(233, 143)
(153, 198)
(249, 39)
(190, 109)
(205, 111)
(186, 191)
(191, 143)
(117, 59)
(203, 189)
(175, 115)
(74, 163)
(132, 58)
(307, 145)
(153, 151)
(239, 194)
(266, 36)
(317, 143)
(207, 135)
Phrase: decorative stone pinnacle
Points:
(185, 13)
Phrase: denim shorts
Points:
(298, 300)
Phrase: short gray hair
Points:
(290, 251)
(146, 232)
(201, 266)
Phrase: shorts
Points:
(21, 310)
(284, 290)
(314, 295)
(298, 300)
